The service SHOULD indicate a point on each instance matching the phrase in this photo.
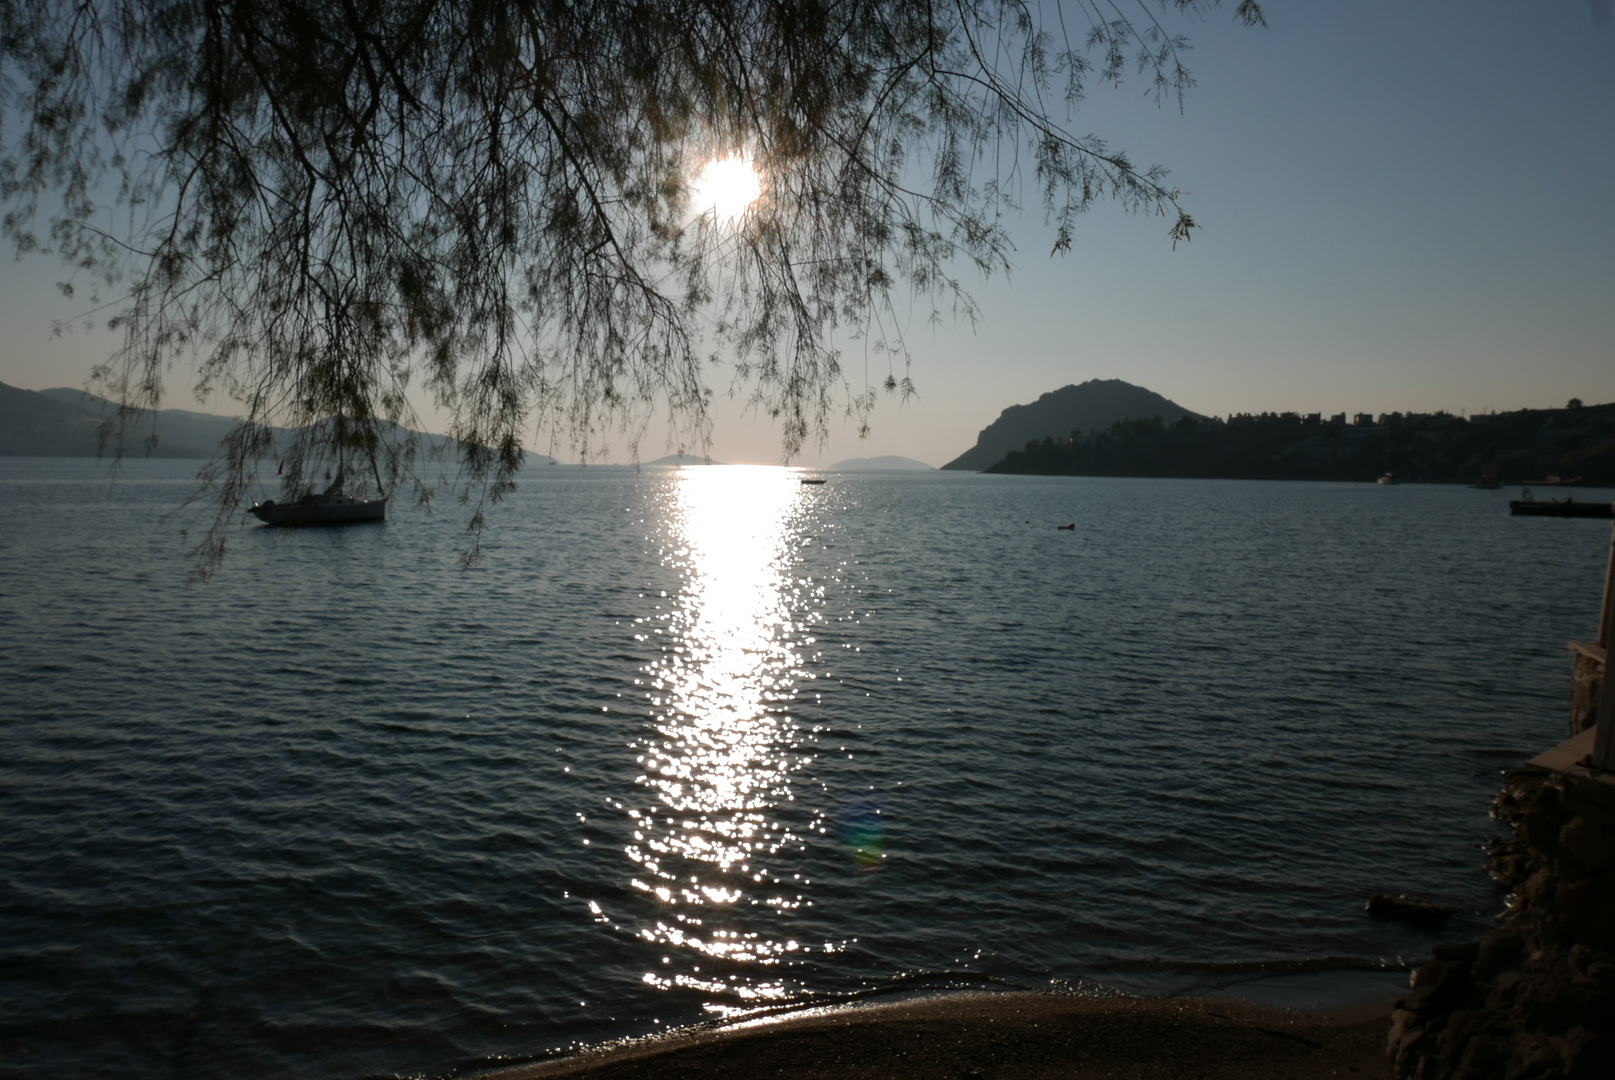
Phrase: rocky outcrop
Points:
(1534, 999)
(1406, 909)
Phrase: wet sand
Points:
(986, 1036)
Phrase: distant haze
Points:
(679, 459)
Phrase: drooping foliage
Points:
(320, 207)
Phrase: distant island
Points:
(889, 463)
(1091, 406)
(1575, 444)
(679, 459)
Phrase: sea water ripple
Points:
(694, 741)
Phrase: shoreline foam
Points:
(988, 1036)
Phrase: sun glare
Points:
(727, 187)
(716, 833)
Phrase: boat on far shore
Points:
(1389, 480)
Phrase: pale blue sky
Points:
(1405, 205)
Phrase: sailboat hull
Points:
(339, 510)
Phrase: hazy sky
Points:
(1405, 205)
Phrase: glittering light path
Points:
(708, 840)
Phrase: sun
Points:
(727, 188)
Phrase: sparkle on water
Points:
(727, 187)
(720, 762)
(898, 730)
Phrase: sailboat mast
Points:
(376, 469)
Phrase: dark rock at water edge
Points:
(1408, 910)
(1535, 998)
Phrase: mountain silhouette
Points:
(680, 459)
(61, 422)
(1090, 406)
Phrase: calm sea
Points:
(687, 742)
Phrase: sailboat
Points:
(333, 506)
(1389, 479)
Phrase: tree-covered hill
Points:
(1090, 406)
(1516, 447)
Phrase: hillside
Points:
(56, 423)
(1091, 406)
(181, 433)
(35, 425)
(1575, 444)
(62, 422)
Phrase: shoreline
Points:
(983, 1035)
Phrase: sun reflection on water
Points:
(712, 844)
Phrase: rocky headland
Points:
(1094, 405)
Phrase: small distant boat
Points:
(330, 508)
(1389, 479)
(1487, 483)
(805, 480)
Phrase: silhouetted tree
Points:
(321, 203)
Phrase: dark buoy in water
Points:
(1407, 909)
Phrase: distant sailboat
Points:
(1389, 479)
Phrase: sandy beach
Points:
(998, 1036)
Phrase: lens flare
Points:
(863, 831)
